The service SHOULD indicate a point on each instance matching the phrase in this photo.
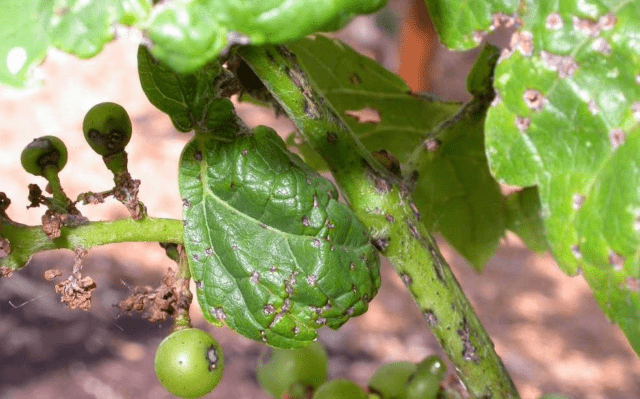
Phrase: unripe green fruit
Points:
(293, 369)
(389, 381)
(339, 389)
(189, 363)
(42, 152)
(107, 128)
(425, 382)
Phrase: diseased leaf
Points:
(461, 25)
(273, 253)
(455, 191)
(377, 104)
(567, 120)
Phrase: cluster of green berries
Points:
(106, 127)
(297, 373)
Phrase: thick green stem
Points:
(386, 207)
(25, 241)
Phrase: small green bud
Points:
(42, 152)
(107, 128)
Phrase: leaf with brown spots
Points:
(273, 253)
(567, 122)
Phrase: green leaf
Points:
(273, 253)
(23, 40)
(455, 192)
(190, 100)
(377, 104)
(80, 27)
(566, 119)
(524, 217)
(461, 25)
(83, 27)
(186, 34)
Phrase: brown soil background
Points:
(546, 326)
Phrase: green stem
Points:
(60, 199)
(25, 241)
(386, 207)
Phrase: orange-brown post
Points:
(417, 47)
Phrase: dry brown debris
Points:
(52, 273)
(76, 292)
(160, 303)
(6, 272)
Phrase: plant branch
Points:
(25, 241)
(385, 205)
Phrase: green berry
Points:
(189, 363)
(339, 389)
(107, 128)
(389, 381)
(425, 382)
(293, 371)
(43, 152)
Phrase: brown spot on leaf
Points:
(522, 123)
(616, 260)
(564, 65)
(601, 45)
(586, 26)
(635, 108)
(577, 201)
(534, 99)
(575, 249)
(218, 313)
(364, 115)
(554, 21)
(617, 137)
(633, 284)
(431, 144)
(268, 309)
(607, 21)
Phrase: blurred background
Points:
(546, 327)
